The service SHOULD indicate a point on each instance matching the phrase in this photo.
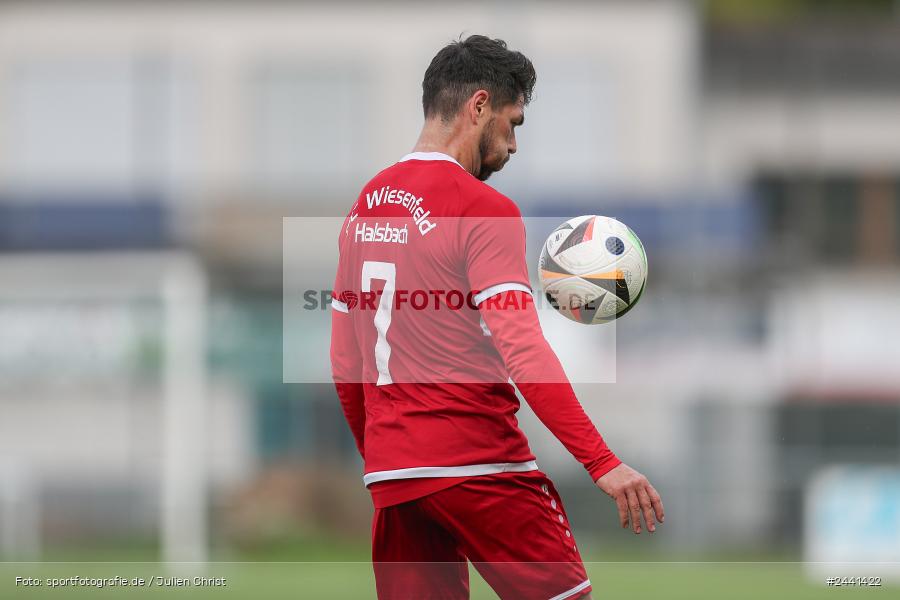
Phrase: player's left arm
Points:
(346, 371)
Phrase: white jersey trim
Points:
(429, 156)
(461, 471)
(499, 289)
(339, 306)
(568, 594)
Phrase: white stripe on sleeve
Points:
(499, 289)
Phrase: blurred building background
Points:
(149, 152)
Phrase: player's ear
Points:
(479, 105)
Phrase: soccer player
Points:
(432, 315)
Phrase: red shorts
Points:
(511, 526)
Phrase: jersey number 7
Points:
(386, 271)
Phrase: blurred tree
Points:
(775, 10)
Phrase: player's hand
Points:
(633, 495)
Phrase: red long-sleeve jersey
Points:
(432, 315)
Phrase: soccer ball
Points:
(593, 269)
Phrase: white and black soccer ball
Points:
(593, 269)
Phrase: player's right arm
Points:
(495, 263)
(537, 372)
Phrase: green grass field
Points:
(333, 570)
(263, 581)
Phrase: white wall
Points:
(613, 106)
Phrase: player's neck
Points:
(436, 137)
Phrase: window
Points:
(840, 219)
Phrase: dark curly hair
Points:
(478, 62)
